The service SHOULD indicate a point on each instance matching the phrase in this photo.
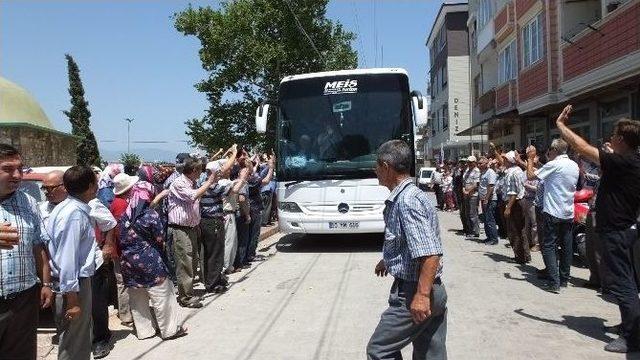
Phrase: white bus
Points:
(329, 126)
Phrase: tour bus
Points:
(329, 126)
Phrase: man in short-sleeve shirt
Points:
(489, 200)
(618, 203)
(471, 178)
(412, 254)
(560, 176)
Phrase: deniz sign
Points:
(341, 87)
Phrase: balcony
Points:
(504, 22)
(485, 37)
(487, 101)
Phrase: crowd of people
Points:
(528, 198)
(148, 229)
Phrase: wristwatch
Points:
(47, 284)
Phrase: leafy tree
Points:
(131, 163)
(87, 152)
(248, 46)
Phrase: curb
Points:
(267, 232)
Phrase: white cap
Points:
(510, 156)
(215, 165)
(123, 183)
(472, 159)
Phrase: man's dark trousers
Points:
(464, 216)
(396, 328)
(437, 189)
(243, 241)
(471, 209)
(212, 230)
(100, 309)
(557, 232)
(19, 324)
(619, 280)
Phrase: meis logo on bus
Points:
(341, 87)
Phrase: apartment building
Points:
(448, 44)
(532, 57)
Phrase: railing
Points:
(487, 101)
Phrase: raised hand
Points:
(564, 115)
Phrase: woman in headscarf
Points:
(144, 271)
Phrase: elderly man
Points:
(105, 224)
(23, 262)
(513, 188)
(184, 219)
(412, 254)
(54, 191)
(212, 226)
(618, 202)
(560, 175)
(75, 256)
(489, 200)
(471, 179)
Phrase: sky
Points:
(134, 64)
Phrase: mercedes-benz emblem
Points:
(343, 208)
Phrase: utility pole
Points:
(129, 121)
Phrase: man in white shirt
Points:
(513, 214)
(560, 175)
(75, 256)
(471, 179)
(436, 183)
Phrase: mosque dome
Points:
(17, 106)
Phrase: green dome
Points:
(18, 106)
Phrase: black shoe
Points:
(101, 349)
(564, 284)
(591, 285)
(219, 289)
(541, 271)
(551, 288)
(476, 235)
(193, 303)
(615, 329)
(620, 345)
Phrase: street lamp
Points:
(129, 121)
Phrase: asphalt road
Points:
(317, 298)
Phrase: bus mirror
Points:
(262, 113)
(420, 111)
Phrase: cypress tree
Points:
(87, 152)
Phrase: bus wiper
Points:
(286, 186)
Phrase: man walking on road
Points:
(618, 202)
(412, 254)
(436, 182)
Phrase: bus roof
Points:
(345, 73)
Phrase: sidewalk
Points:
(46, 330)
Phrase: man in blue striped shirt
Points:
(25, 282)
(412, 253)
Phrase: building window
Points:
(476, 88)
(445, 117)
(532, 41)
(444, 76)
(436, 82)
(507, 63)
(442, 38)
(485, 12)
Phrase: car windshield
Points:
(325, 133)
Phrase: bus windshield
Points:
(330, 128)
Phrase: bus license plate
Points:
(344, 225)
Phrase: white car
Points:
(424, 177)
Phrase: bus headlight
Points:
(289, 207)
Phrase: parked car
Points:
(32, 180)
(424, 178)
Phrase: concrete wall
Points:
(39, 147)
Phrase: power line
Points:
(375, 35)
(303, 31)
(355, 13)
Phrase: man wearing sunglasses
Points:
(55, 192)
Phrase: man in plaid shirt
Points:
(412, 253)
(25, 279)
